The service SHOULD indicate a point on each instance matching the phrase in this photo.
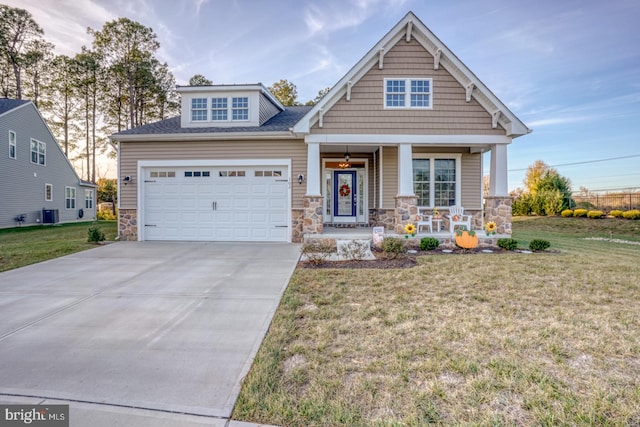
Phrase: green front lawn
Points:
(478, 339)
(22, 246)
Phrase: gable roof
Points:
(7, 104)
(281, 122)
(411, 27)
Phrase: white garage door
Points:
(216, 203)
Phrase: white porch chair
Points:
(457, 217)
(424, 220)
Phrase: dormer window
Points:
(407, 93)
(198, 109)
(219, 109)
(240, 108)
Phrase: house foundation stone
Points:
(498, 210)
(128, 224)
(312, 215)
(406, 212)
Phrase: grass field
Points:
(483, 339)
(22, 246)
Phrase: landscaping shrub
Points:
(95, 235)
(553, 202)
(392, 246)
(616, 213)
(429, 243)
(355, 250)
(105, 215)
(567, 213)
(539, 245)
(580, 212)
(632, 214)
(317, 252)
(595, 214)
(508, 244)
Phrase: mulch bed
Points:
(406, 260)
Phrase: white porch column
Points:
(313, 169)
(405, 170)
(498, 181)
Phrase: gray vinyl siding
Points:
(23, 183)
(132, 152)
(365, 112)
(471, 176)
(267, 109)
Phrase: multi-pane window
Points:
(407, 93)
(445, 182)
(70, 197)
(88, 199)
(38, 152)
(435, 182)
(395, 93)
(240, 108)
(218, 109)
(12, 144)
(199, 109)
(48, 192)
(422, 181)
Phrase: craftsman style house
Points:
(39, 184)
(405, 128)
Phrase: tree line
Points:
(117, 83)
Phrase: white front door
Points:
(219, 203)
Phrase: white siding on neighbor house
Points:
(132, 152)
(23, 183)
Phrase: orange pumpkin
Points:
(466, 239)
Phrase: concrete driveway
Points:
(153, 332)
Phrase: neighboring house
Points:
(405, 127)
(39, 184)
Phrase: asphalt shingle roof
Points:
(282, 121)
(7, 104)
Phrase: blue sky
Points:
(570, 69)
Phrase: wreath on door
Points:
(345, 190)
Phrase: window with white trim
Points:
(240, 108)
(38, 152)
(48, 192)
(88, 199)
(198, 109)
(219, 109)
(408, 93)
(12, 144)
(70, 197)
(435, 181)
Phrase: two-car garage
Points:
(214, 201)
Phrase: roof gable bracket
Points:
(381, 58)
(495, 116)
(321, 115)
(409, 28)
(469, 88)
(436, 59)
(349, 84)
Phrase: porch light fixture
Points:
(347, 156)
(300, 179)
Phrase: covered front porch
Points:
(356, 183)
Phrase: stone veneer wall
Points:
(312, 222)
(297, 220)
(382, 218)
(128, 224)
(406, 212)
(498, 210)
